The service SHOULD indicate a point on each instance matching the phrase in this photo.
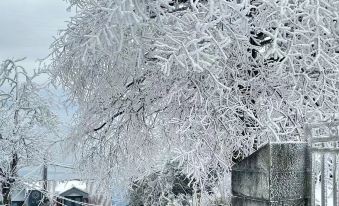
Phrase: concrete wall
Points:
(277, 174)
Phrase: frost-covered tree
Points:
(170, 187)
(162, 188)
(301, 49)
(26, 124)
(197, 81)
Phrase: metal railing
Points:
(323, 140)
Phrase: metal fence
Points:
(323, 141)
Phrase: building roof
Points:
(18, 195)
(74, 191)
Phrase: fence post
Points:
(323, 138)
(335, 179)
(323, 181)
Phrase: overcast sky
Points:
(27, 28)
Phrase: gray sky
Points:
(27, 28)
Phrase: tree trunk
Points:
(9, 180)
(5, 193)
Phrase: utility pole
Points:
(45, 198)
(44, 174)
